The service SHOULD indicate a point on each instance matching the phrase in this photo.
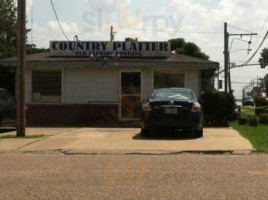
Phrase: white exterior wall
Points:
(81, 85)
(192, 81)
(147, 83)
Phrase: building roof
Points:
(45, 57)
(174, 59)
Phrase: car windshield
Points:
(248, 98)
(175, 95)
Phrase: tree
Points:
(32, 49)
(264, 57)
(8, 31)
(8, 20)
(179, 46)
(264, 54)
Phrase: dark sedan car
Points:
(175, 108)
(247, 101)
(7, 110)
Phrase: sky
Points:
(198, 21)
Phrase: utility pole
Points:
(20, 85)
(227, 54)
(112, 34)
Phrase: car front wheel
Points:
(144, 132)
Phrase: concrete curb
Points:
(138, 152)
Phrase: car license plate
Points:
(171, 111)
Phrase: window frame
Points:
(183, 73)
(61, 85)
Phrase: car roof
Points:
(173, 89)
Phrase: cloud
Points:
(108, 4)
(52, 31)
(67, 27)
(29, 4)
(202, 20)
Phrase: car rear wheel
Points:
(198, 133)
(145, 132)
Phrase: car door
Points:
(7, 110)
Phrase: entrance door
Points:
(130, 95)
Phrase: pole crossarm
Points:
(235, 66)
(243, 34)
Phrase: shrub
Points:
(253, 121)
(218, 108)
(263, 118)
(235, 116)
(242, 121)
(266, 109)
(260, 110)
(261, 101)
(250, 115)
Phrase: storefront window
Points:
(46, 87)
(168, 79)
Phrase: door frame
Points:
(120, 92)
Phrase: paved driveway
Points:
(95, 140)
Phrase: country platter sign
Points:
(109, 49)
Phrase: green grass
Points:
(247, 111)
(258, 136)
(26, 137)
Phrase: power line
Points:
(241, 29)
(53, 7)
(235, 82)
(169, 31)
(246, 63)
(263, 40)
(260, 31)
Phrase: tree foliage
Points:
(180, 46)
(264, 59)
(8, 31)
(8, 20)
(264, 54)
(32, 49)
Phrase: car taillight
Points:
(196, 108)
(147, 107)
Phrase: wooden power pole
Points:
(226, 57)
(20, 85)
(227, 71)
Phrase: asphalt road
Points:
(184, 176)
